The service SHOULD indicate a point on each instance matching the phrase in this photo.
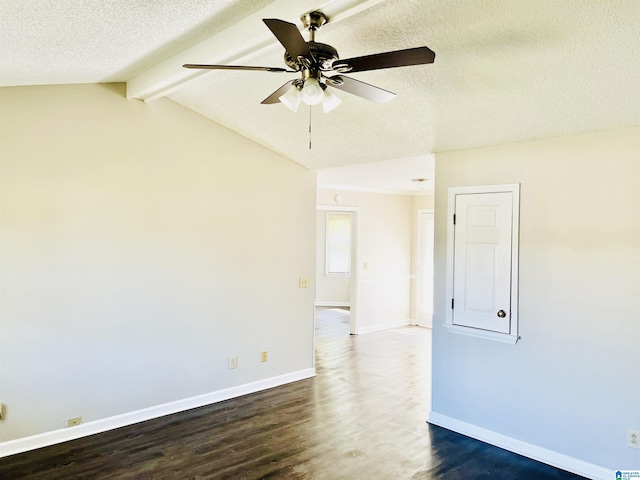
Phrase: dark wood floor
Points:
(362, 417)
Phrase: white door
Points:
(425, 269)
(482, 261)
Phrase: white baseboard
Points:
(46, 439)
(385, 326)
(529, 450)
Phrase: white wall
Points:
(142, 245)
(571, 385)
(385, 244)
(330, 289)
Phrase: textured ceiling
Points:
(91, 41)
(400, 176)
(505, 71)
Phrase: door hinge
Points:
(454, 218)
(452, 304)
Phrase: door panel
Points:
(480, 289)
(482, 261)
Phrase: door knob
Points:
(501, 313)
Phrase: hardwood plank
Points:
(362, 417)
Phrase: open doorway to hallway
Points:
(337, 264)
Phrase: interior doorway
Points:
(338, 290)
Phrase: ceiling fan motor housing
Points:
(324, 55)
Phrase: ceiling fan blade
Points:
(398, 58)
(275, 96)
(236, 67)
(361, 89)
(289, 36)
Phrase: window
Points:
(338, 244)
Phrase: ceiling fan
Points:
(321, 67)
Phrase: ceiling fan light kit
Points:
(291, 99)
(321, 68)
(312, 93)
(330, 101)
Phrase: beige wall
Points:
(571, 385)
(142, 245)
(385, 245)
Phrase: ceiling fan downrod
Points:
(312, 21)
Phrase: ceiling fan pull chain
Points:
(309, 127)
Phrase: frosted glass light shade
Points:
(291, 99)
(312, 93)
(330, 101)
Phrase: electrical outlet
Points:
(233, 361)
(303, 282)
(633, 438)
(263, 356)
(72, 422)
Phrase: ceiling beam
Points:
(233, 44)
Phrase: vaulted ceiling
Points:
(505, 71)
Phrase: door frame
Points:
(420, 267)
(514, 189)
(354, 280)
